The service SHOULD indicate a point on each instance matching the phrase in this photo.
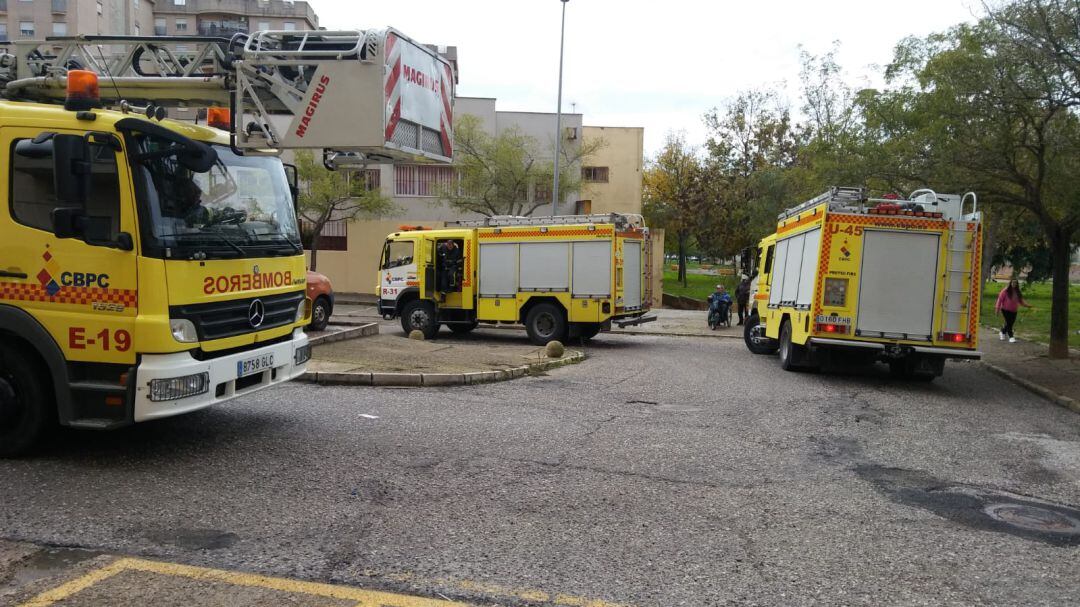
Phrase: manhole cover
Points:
(1034, 518)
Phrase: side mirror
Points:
(68, 222)
(294, 184)
(71, 169)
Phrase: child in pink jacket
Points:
(1008, 303)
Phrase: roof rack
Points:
(621, 220)
(840, 196)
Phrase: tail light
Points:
(956, 338)
(824, 327)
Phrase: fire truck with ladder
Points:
(847, 279)
(151, 267)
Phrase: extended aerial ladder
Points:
(284, 89)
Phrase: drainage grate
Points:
(1033, 518)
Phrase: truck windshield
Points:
(241, 207)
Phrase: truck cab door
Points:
(70, 264)
(397, 272)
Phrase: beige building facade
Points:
(38, 19)
(612, 175)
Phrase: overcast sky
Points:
(657, 64)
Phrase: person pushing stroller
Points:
(719, 308)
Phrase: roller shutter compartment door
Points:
(897, 284)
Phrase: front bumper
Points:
(222, 371)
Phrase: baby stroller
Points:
(719, 311)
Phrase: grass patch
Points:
(1030, 324)
(699, 286)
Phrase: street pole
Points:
(558, 117)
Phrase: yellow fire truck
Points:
(562, 277)
(847, 278)
(151, 267)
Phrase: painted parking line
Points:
(363, 598)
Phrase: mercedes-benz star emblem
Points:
(256, 313)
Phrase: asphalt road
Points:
(660, 472)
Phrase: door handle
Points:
(6, 274)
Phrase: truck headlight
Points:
(183, 330)
(301, 310)
(175, 388)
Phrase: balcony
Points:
(59, 6)
(222, 29)
(249, 8)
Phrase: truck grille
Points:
(228, 318)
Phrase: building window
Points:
(160, 28)
(181, 25)
(3, 32)
(542, 191)
(33, 194)
(181, 48)
(59, 28)
(263, 26)
(135, 4)
(423, 180)
(289, 26)
(26, 28)
(179, 2)
(99, 8)
(583, 207)
(334, 236)
(594, 174)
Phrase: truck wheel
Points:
(420, 315)
(791, 354)
(754, 336)
(320, 314)
(545, 322)
(26, 403)
(588, 331)
(462, 328)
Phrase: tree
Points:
(333, 195)
(673, 193)
(985, 107)
(751, 170)
(506, 173)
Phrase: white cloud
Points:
(654, 64)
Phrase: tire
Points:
(790, 352)
(545, 323)
(320, 314)
(462, 329)
(27, 406)
(588, 331)
(421, 316)
(757, 344)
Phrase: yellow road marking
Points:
(493, 590)
(62, 592)
(364, 598)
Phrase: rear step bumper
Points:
(634, 321)
(870, 345)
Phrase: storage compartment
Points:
(592, 269)
(897, 286)
(544, 266)
(632, 274)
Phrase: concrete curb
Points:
(365, 330)
(1054, 397)
(416, 380)
(675, 334)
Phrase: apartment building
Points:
(38, 19)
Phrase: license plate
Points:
(254, 365)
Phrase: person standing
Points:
(742, 298)
(1008, 303)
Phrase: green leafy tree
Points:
(508, 173)
(334, 195)
(674, 193)
(981, 107)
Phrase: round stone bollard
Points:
(416, 334)
(554, 349)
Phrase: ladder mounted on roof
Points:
(622, 221)
(373, 93)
